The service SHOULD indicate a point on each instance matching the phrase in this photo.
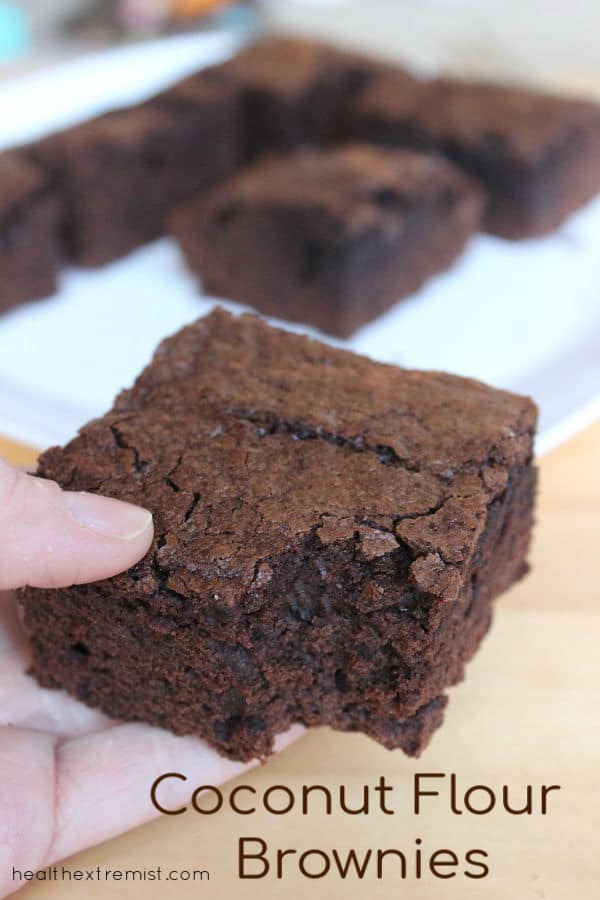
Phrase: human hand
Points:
(70, 777)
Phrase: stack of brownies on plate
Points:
(310, 182)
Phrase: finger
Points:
(27, 804)
(54, 538)
(103, 781)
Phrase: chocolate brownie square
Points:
(122, 173)
(330, 536)
(29, 232)
(538, 156)
(329, 237)
(293, 91)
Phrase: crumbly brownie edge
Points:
(226, 699)
(434, 635)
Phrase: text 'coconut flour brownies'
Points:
(331, 534)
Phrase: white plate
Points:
(523, 316)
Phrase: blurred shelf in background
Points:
(536, 41)
(65, 29)
(532, 41)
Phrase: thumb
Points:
(53, 538)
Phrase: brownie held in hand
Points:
(329, 237)
(538, 156)
(330, 536)
(29, 232)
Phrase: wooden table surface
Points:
(528, 713)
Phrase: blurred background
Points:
(523, 316)
(543, 41)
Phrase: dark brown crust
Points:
(29, 232)
(536, 155)
(330, 237)
(330, 536)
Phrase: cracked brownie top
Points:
(246, 442)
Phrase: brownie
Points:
(293, 91)
(538, 156)
(330, 237)
(122, 173)
(29, 232)
(330, 535)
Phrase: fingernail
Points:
(111, 518)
